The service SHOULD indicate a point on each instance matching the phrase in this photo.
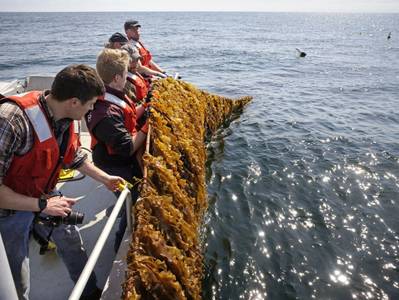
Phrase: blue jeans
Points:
(15, 232)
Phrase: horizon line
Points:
(202, 11)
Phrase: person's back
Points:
(117, 143)
(112, 123)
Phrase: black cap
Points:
(118, 37)
(131, 23)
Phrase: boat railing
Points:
(125, 195)
(7, 286)
(91, 262)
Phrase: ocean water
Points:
(304, 186)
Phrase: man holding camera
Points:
(37, 138)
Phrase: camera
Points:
(73, 218)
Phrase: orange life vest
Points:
(144, 53)
(129, 115)
(140, 85)
(36, 172)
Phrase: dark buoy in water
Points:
(389, 36)
(301, 53)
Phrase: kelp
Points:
(165, 258)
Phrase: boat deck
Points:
(49, 276)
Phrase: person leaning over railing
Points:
(117, 143)
(117, 41)
(132, 30)
(136, 86)
(37, 139)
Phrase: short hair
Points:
(80, 81)
(111, 62)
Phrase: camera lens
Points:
(74, 218)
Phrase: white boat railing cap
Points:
(31, 83)
(91, 262)
(13, 87)
(84, 276)
(39, 82)
(7, 286)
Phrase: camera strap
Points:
(40, 239)
(62, 149)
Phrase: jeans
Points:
(15, 231)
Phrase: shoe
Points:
(95, 295)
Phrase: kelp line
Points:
(165, 258)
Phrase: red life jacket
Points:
(129, 115)
(144, 53)
(140, 85)
(36, 172)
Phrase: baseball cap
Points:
(131, 23)
(118, 37)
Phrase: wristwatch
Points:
(42, 203)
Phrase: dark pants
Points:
(123, 222)
(15, 232)
(127, 173)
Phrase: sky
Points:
(376, 6)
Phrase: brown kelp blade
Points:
(165, 259)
